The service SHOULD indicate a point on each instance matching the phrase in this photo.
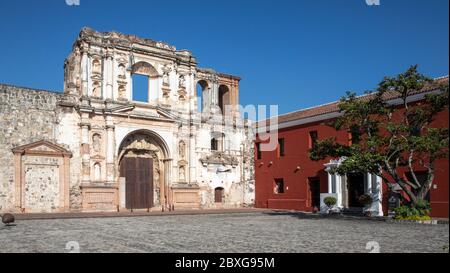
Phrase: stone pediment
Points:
(122, 108)
(42, 147)
(165, 113)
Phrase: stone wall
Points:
(26, 115)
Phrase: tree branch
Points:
(400, 182)
(410, 159)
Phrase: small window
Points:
(281, 147)
(313, 136)
(214, 144)
(279, 185)
(258, 151)
(218, 141)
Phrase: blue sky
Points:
(293, 53)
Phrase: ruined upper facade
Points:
(93, 147)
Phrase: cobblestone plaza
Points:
(229, 233)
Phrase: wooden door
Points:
(355, 187)
(138, 173)
(218, 193)
(314, 191)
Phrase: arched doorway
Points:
(218, 195)
(143, 166)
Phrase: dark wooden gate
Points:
(314, 191)
(355, 187)
(138, 173)
(218, 193)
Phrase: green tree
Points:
(387, 138)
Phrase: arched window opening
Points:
(224, 98)
(140, 87)
(202, 86)
(144, 80)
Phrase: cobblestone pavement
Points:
(243, 232)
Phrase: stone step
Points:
(353, 211)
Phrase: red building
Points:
(287, 179)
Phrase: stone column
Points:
(158, 91)
(192, 155)
(233, 100)
(84, 71)
(236, 100)
(369, 183)
(167, 178)
(85, 148)
(109, 75)
(18, 180)
(66, 182)
(339, 189)
(344, 191)
(330, 186)
(129, 95)
(214, 92)
(110, 148)
(162, 190)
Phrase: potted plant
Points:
(366, 200)
(330, 201)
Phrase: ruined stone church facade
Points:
(93, 147)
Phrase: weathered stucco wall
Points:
(26, 115)
(68, 133)
(42, 183)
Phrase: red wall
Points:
(296, 195)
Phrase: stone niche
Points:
(41, 175)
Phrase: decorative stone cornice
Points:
(115, 38)
(219, 158)
(84, 124)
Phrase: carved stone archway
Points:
(146, 145)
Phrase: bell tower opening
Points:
(202, 87)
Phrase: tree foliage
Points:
(386, 137)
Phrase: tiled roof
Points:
(334, 106)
